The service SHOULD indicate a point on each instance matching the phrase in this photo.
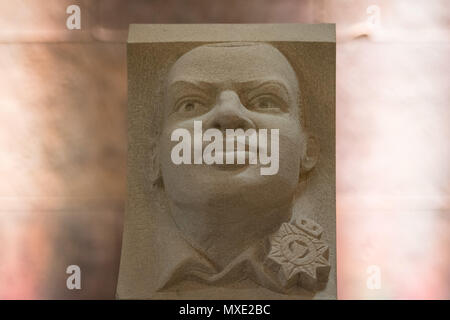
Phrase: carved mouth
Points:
(234, 165)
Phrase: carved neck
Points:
(220, 241)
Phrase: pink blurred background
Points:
(63, 102)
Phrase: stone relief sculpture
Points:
(226, 225)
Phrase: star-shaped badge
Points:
(298, 255)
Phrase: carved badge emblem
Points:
(298, 255)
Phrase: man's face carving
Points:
(230, 87)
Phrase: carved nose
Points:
(230, 113)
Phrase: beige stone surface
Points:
(205, 232)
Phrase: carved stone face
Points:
(231, 86)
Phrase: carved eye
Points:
(264, 103)
(191, 106)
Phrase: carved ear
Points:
(310, 154)
(154, 173)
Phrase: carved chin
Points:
(245, 192)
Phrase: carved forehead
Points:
(235, 62)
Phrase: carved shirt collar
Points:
(294, 256)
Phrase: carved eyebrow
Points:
(197, 85)
(255, 85)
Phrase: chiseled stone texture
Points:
(204, 232)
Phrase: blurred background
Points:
(63, 100)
